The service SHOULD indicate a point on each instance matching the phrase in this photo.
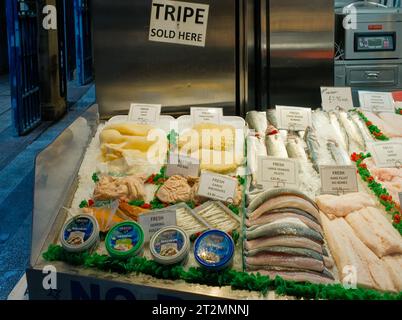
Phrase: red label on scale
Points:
(375, 27)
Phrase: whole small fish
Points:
(275, 146)
(313, 146)
(258, 121)
(295, 149)
(341, 134)
(340, 156)
(368, 138)
(351, 129)
(271, 115)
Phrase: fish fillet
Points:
(298, 276)
(373, 229)
(283, 260)
(340, 206)
(285, 241)
(268, 218)
(394, 122)
(385, 126)
(393, 265)
(284, 202)
(302, 252)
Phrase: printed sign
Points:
(207, 115)
(293, 118)
(217, 187)
(336, 98)
(338, 179)
(179, 22)
(376, 101)
(182, 166)
(400, 197)
(156, 220)
(387, 154)
(144, 113)
(277, 172)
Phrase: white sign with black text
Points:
(277, 172)
(206, 115)
(293, 118)
(217, 187)
(182, 165)
(145, 113)
(376, 101)
(179, 22)
(334, 98)
(387, 154)
(156, 220)
(338, 179)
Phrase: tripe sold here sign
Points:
(179, 22)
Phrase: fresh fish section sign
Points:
(338, 179)
(179, 22)
(277, 172)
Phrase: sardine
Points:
(368, 138)
(313, 146)
(283, 241)
(275, 146)
(276, 229)
(340, 133)
(302, 252)
(339, 155)
(295, 149)
(257, 121)
(351, 129)
(283, 260)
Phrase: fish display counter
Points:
(179, 208)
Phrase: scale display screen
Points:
(375, 42)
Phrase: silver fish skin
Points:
(368, 138)
(287, 250)
(258, 121)
(297, 276)
(313, 146)
(351, 129)
(275, 146)
(295, 149)
(341, 134)
(271, 115)
(340, 156)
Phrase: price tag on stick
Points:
(338, 179)
(145, 113)
(387, 154)
(217, 187)
(277, 172)
(207, 115)
(156, 220)
(334, 98)
(293, 118)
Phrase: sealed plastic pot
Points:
(170, 245)
(80, 233)
(214, 250)
(125, 240)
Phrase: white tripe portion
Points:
(188, 222)
(218, 218)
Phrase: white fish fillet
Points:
(393, 265)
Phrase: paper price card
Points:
(217, 187)
(277, 172)
(376, 101)
(156, 220)
(293, 118)
(144, 113)
(338, 179)
(400, 197)
(334, 98)
(387, 154)
(182, 165)
(207, 115)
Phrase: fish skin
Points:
(271, 116)
(342, 135)
(325, 273)
(284, 201)
(283, 241)
(268, 218)
(295, 211)
(258, 121)
(288, 228)
(351, 129)
(283, 260)
(287, 250)
(271, 193)
(298, 276)
(367, 137)
(338, 154)
(313, 146)
(275, 146)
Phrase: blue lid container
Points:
(214, 250)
